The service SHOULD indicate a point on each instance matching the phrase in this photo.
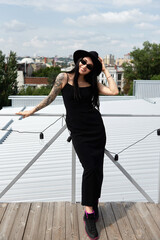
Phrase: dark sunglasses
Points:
(89, 66)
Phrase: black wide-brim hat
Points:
(93, 55)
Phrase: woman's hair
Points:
(91, 78)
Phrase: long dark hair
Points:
(91, 78)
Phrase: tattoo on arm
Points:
(54, 92)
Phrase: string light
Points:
(116, 157)
(41, 135)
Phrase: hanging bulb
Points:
(41, 138)
(69, 138)
(116, 157)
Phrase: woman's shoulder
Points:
(62, 78)
(67, 78)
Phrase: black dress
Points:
(88, 137)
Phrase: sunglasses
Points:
(89, 66)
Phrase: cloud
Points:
(156, 32)
(137, 35)
(145, 26)
(36, 43)
(131, 2)
(122, 17)
(15, 26)
(1, 40)
(65, 6)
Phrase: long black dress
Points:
(88, 137)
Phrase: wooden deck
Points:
(63, 221)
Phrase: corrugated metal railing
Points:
(47, 145)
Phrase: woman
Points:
(80, 90)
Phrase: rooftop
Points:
(50, 177)
(43, 202)
(64, 221)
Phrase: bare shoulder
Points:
(60, 80)
(70, 78)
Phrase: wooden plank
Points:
(155, 212)
(148, 220)
(110, 222)
(49, 227)
(139, 228)
(82, 232)
(123, 222)
(43, 222)
(101, 225)
(3, 207)
(32, 226)
(20, 221)
(72, 231)
(8, 220)
(60, 221)
(58, 232)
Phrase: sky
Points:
(52, 27)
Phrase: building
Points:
(127, 58)
(109, 59)
(118, 75)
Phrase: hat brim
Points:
(82, 53)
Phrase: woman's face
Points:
(85, 65)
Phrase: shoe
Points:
(95, 208)
(90, 225)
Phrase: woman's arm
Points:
(112, 86)
(59, 82)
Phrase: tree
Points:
(144, 64)
(53, 74)
(50, 72)
(156, 77)
(8, 78)
(2, 79)
(43, 90)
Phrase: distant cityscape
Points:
(27, 65)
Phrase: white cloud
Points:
(15, 26)
(66, 6)
(134, 16)
(75, 5)
(1, 40)
(131, 2)
(145, 26)
(36, 43)
(105, 26)
(157, 32)
(137, 35)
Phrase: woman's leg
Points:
(89, 209)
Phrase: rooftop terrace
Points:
(64, 221)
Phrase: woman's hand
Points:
(103, 66)
(25, 113)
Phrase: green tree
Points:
(156, 77)
(53, 74)
(50, 72)
(44, 90)
(144, 64)
(2, 79)
(8, 76)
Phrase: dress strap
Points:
(67, 77)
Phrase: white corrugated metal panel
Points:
(49, 179)
(20, 101)
(147, 88)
